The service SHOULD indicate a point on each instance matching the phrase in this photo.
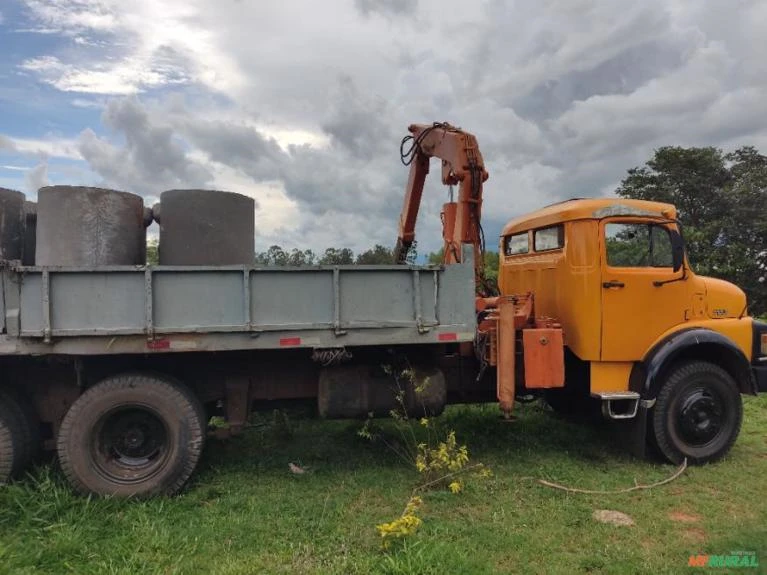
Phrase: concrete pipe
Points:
(11, 224)
(205, 228)
(82, 226)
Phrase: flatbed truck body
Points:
(162, 309)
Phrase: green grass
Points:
(244, 512)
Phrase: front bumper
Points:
(759, 355)
(760, 377)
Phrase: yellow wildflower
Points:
(405, 525)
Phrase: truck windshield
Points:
(638, 245)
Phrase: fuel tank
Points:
(351, 391)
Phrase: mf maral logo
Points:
(733, 559)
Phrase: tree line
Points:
(377, 255)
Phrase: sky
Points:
(302, 104)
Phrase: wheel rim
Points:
(130, 445)
(700, 417)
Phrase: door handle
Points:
(613, 284)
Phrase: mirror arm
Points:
(680, 245)
(679, 279)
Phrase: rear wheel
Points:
(697, 414)
(18, 435)
(9, 443)
(132, 435)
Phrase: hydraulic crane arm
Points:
(462, 165)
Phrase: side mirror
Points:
(677, 250)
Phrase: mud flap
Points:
(632, 433)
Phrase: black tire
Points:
(697, 413)
(21, 435)
(132, 435)
(9, 443)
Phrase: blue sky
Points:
(301, 105)
(31, 110)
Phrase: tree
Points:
(301, 257)
(436, 258)
(378, 255)
(720, 200)
(492, 261)
(274, 256)
(153, 252)
(694, 180)
(337, 257)
(743, 257)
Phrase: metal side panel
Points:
(11, 303)
(77, 302)
(30, 306)
(376, 298)
(339, 305)
(291, 298)
(191, 300)
(457, 293)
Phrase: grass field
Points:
(244, 512)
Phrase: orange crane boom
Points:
(462, 166)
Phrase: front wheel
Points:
(132, 435)
(697, 414)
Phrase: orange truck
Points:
(645, 337)
(119, 368)
(597, 306)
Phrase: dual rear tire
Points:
(19, 435)
(132, 435)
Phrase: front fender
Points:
(693, 343)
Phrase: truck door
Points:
(635, 311)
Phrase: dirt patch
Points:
(682, 517)
(612, 517)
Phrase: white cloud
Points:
(37, 177)
(7, 143)
(46, 147)
(88, 103)
(129, 76)
(127, 47)
(73, 15)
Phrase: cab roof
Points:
(588, 209)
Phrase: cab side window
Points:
(551, 238)
(638, 245)
(517, 244)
